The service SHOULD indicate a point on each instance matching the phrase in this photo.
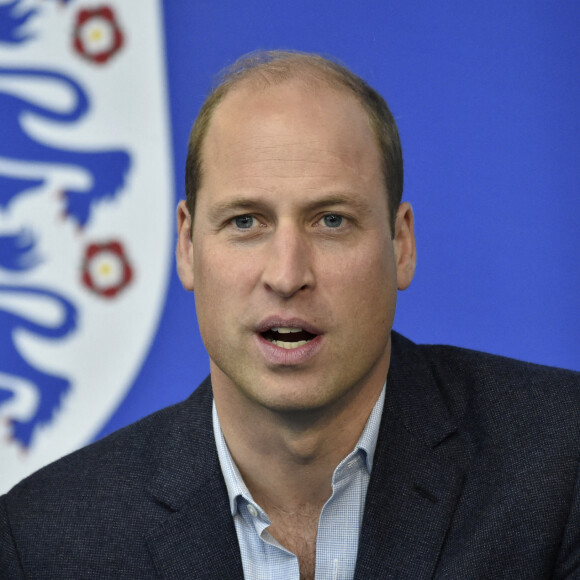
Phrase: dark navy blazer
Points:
(475, 476)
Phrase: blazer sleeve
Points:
(10, 566)
(568, 564)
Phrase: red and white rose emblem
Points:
(106, 270)
(97, 35)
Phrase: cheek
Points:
(222, 279)
(209, 287)
(372, 268)
(368, 285)
(212, 265)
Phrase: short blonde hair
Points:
(267, 68)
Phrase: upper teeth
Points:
(286, 330)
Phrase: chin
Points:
(299, 398)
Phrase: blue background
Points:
(486, 96)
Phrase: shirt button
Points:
(253, 511)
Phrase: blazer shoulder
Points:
(490, 373)
(491, 392)
(102, 502)
(126, 456)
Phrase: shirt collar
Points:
(235, 485)
(368, 440)
(234, 482)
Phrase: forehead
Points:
(291, 126)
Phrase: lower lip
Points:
(288, 357)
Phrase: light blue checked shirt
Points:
(263, 558)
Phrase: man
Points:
(324, 446)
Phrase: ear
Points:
(184, 248)
(404, 245)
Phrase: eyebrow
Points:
(253, 204)
(341, 199)
(222, 208)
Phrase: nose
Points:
(288, 267)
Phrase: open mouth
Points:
(288, 338)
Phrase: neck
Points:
(287, 458)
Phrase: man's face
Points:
(292, 263)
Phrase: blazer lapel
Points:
(198, 538)
(417, 476)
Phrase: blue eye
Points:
(332, 220)
(244, 222)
